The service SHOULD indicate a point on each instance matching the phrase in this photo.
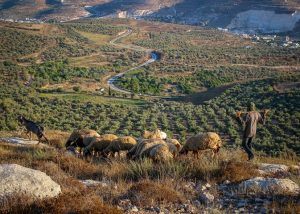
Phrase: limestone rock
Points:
(206, 198)
(260, 185)
(19, 141)
(273, 168)
(16, 179)
(93, 183)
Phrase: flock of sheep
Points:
(154, 145)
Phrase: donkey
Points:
(32, 127)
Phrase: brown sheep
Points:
(81, 138)
(120, 144)
(98, 144)
(155, 149)
(205, 141)
(160, 153)
(174, 146)
(144, 145)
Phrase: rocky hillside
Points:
(50, 179)
(266, 16)
(251, 17)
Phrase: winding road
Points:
(111, 81)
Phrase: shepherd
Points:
(249, 121)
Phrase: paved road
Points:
(112, 80)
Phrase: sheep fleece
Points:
(209, 140)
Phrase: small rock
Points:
(156, 209)
(93, 183)
(203, 188)
(207, 185)
(124, 203)
(226, 182)
(190, 185)
(259, 200)
(197, 203)
(241, 209)
(134, 209)
(206, 198)
(263, 210)
(241, 203)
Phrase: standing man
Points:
(249, 121)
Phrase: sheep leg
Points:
(27, 134)
(46, 139)
(39, 140)
(30, 135)
(196, 154)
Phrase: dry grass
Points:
(285, 205)
(65, 203)
(147, 193)
(144, 182)
(238, 171)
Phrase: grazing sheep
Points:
(157, 134)
(160, 153)
(131, 152)
(99, 144)
(81, 138)
(205, 141)
(71, 150)
(120, 144)
(163, 135)
(174, 146)
(145, 145)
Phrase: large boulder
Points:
(274, 186)
(17, 180)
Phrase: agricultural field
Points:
(57, 75)
(202, 78)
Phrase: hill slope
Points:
(264, 16)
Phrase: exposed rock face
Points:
(16, 179)
(263, 21)
(260, 185)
